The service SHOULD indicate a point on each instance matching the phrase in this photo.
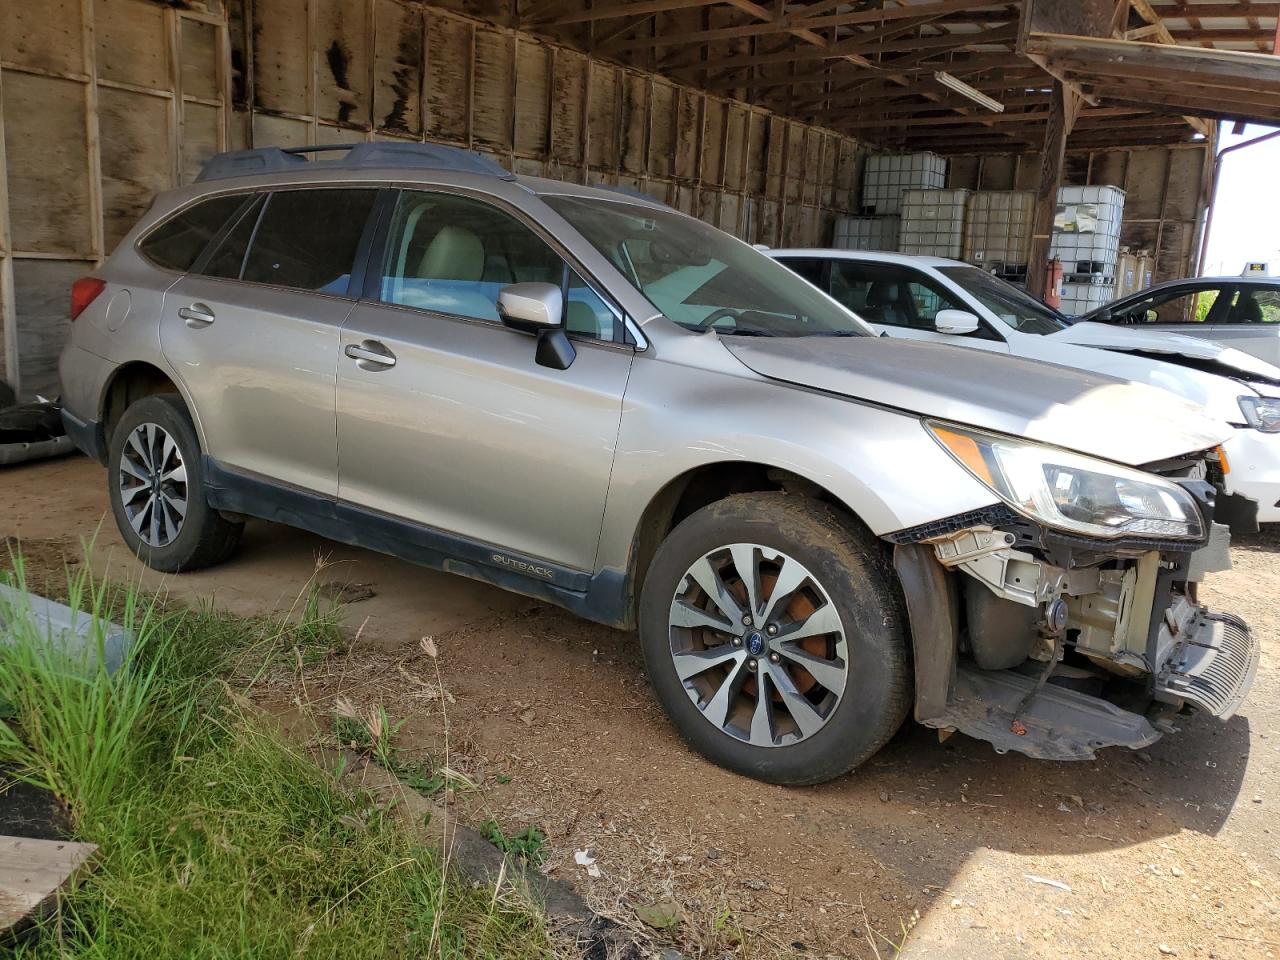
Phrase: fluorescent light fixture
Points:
(962, 88)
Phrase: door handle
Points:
(197, 315)
(370, 355)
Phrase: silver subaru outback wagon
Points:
(542, 385)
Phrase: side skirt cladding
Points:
(601, 597)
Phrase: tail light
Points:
(83, 292)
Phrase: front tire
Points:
(156, 482)
(773, 635)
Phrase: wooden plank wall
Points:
(1167, 190)
(323, 71)
(102, 103)
(105, 102)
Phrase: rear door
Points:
(1253, 322)
(253, 332)
(444, 417)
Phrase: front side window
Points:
(889, 295)
(1199, 305)
(1015, 307)
(700, 277)
(811, 268)
(179, 241)
(453, 255)
(307, 239)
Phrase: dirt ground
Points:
(1173, 851)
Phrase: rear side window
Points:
(228, 259)
(177, 242)
(307, 239)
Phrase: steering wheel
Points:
(715, 315)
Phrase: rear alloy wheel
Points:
(153, 485)
(157, 489)
(774, 638)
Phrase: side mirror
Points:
(538, 308)
(955, 322)
(1104, 316)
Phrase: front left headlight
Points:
(1261, 413)
(1072, 492)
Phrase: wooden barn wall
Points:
(102, 103)
(105, 102)
(322, 71)
(1167, 190)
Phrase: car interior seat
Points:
(884, 304)
(1246, 310)
(455, 253)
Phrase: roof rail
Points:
(356, 156)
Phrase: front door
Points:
(903, 302)
(444, 417)
(253, 333)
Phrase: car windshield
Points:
(1018, 309)
(701, 277)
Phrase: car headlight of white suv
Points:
(1071, 492)
(1261, 413)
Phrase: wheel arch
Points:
(701, 486)
(131, 382)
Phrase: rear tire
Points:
(830, 649)
(156, 482)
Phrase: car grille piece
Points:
(1214, 667)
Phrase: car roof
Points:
(1204, 281)
(375, 163)
(867, 256)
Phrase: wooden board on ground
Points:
(33, 871)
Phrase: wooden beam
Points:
(1244, 36)
(870, 39)
(858, 46)
(902, 67)
(614, 10)
(993, 120)
(8, 313)
(1180, 10)
(916, 13)
(1181, 76)
(1061, 118)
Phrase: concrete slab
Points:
(77, 632)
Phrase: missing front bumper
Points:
(1057, 724)
(1213, 666)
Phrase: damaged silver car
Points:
(815, 530)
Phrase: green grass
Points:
(530, 844)
(218, 838)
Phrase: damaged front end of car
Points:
(1065, 618)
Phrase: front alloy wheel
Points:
(758, 644)
(774, 637)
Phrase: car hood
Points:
(1204, 354)
(1090, 413)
